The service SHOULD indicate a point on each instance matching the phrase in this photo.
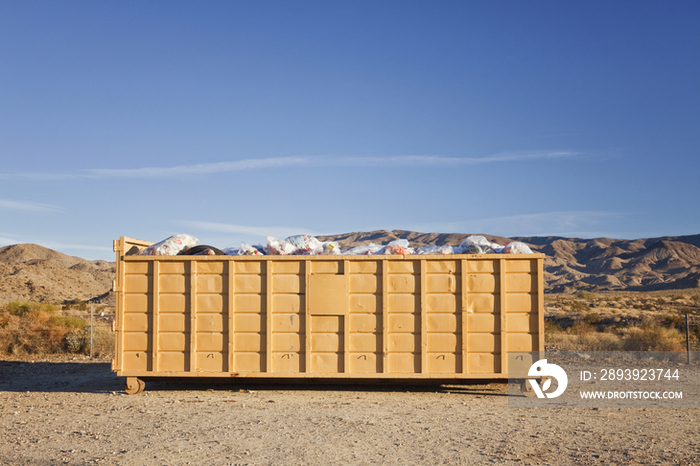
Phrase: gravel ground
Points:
(75, 412)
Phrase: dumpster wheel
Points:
(527, 390)
(134, 386)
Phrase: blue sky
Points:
(234, 120)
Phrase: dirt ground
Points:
(76, 412)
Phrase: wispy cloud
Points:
(278, 232)
(199, 169)
(585, 224)
(286, 162)
(30, 206)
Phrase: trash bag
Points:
(304, 244)
(248, 250)
(480, 241)
(517, 247)
(171, 246)
(432, 249)
(365, 250)
(279, 247)
(330, 248)
(477, 249)
(201, 250)
(398, 246)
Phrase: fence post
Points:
(92, 325)
(687, 337)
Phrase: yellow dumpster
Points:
(442, 317)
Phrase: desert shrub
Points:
(592, 318)
(68, 321)
(694, 334)
(579, 306)
(78, 341)
(560, 340)
(551, 327)
(103, 342)
(585, 340)
(75, 341)
(581, 328)
(585, 294)
(673, 320)
(20, 308)
(599, 341)
(34, 328)
(4, 319)
(653, 338)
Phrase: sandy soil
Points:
(76, 412)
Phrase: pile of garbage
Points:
(309, 245)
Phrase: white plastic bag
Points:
(432, 249)
(248, 250)
(304, 244)
(517, 247)
(398, 246)
(171, 246)
(365, 250)
(278, 247)
(483, 246)
(330, 248)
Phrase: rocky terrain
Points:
(75, 412)
(30, 272)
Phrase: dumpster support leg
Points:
(134, 386)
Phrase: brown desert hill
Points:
(601, 264)
(29, 272)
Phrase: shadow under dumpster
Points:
(81, 377)
(97, 377)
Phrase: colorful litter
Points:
(309, 245)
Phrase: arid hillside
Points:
(610, 264)
(30, 272)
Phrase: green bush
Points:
(20, 308)
(68, 321)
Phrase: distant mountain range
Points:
(34, 273)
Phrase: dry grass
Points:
(622, 322)
(40, 329)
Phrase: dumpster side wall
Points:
(446, 317)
